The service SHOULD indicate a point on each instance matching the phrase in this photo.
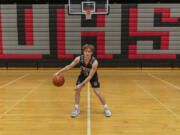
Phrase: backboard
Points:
(78, 7)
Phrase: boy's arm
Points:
(91, 74)
(68, 67)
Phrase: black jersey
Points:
(85, 69)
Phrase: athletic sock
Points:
(105, 106)
(76, 106)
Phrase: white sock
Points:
(105, 106)
(76, 106)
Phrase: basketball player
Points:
(89, 66)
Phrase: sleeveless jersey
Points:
(85, 69)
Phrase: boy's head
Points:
(88, 50)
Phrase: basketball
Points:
(58, 80)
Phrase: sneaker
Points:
(75, 112)
(107, 112)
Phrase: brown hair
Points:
(90, 46)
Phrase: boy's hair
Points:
(90, 46)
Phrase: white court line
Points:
(166, 82)
(21, 77)
(22, 99)
(88, 113)
(156, 99)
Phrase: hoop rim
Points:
(88, 11)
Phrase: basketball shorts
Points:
(94, 80)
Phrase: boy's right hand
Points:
(56, 74)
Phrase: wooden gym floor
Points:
(143, 102)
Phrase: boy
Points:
(88, 64)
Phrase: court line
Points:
(164, 81)
(156, 99)
(9, 83)
(88, 113)
(22, 99)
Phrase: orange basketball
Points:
(58, 80)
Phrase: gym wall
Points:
(132, 35)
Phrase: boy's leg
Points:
(77, 97)
(95, 84)
(100, 96)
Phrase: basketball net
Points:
(88, 14)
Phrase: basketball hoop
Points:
(81, 7)
(88, 13)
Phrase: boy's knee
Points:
(78, 91)
(96, 90)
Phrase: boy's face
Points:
(88, 53)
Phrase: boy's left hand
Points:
(78, 87)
